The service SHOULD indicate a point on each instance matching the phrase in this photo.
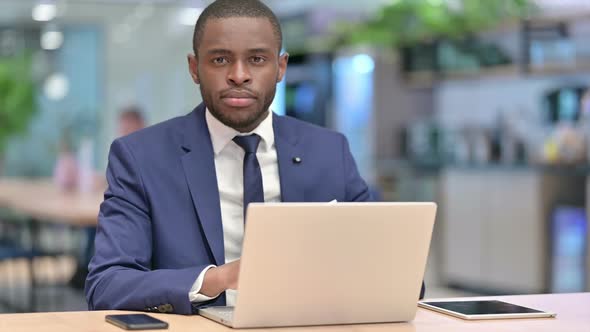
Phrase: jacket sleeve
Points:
(120, 273)
(356, 188)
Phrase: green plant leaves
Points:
(407, 22)
(17, 97)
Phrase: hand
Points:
(231, 272)
(220, 279)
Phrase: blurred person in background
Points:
(171, 225)
(131, 119)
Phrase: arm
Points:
(120, 273)
(356, 188)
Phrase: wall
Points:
(479, 101)
(396, 105)
(67, 119)
(145, 64)
(150, 68)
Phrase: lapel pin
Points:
(296, 160)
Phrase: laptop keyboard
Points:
(225, 313)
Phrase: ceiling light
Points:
(44, 12)
(52, 40)
(56, 87)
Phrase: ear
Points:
(283, 60)
(192, 68)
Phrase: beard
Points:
(240, 120)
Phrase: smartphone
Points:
(136, 322)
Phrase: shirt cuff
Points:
(193, 295)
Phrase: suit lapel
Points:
(199, 169)
(290, 172)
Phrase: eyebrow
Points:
(259, 50)
(218, 51)
(221, 51)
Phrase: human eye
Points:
(220, 60)
(257, 59)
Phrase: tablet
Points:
(484, 309)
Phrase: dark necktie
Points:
(253, 190)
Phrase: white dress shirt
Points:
(229, 167)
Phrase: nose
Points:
(239, 74)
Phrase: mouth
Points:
(238, 99)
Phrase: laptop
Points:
(322, 264)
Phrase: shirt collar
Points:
(222, 135)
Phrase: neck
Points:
(253, 125)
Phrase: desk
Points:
(40, 201)
(43, 201)
(573, 314)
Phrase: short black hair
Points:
(236, 8)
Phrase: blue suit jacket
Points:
(160, 222)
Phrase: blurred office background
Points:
(480, 106)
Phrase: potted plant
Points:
(406, 22)
(421, 29)
(17, 99)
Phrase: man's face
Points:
(238, 67)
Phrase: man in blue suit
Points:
(171, 225)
